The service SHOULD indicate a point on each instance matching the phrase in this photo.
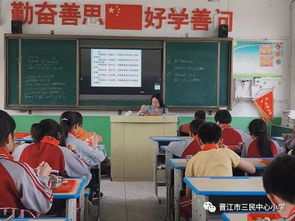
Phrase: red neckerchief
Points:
(292, 212)
(6, 153)
(225, 126)
(72, 132)
(210, 146)
(50, 140)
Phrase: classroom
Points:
(134, 74)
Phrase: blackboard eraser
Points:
(52, 32)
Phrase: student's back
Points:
(260, 145)
(193, 148)
(252, 149)
(231, 136)
(213, 162)
(22, 193)
(46, 148)
(33, 154)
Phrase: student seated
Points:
(156, 107)
(213, 160)
(189, 146)
(81, 134)
(70, 123)
(231, 136)
(22, 192)
(279, 183)
(260, 145)
(184, 130)
(45, 148)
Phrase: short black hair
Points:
(223, 117)
(209, 133)
(195, 125)
(7, 126)
(200, 115)
(279, 179)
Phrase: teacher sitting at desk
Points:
(157, 107)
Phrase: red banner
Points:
(264, 105)
(119, 16)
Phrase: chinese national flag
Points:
(126, 17)
(264, 104)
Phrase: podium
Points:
(132, 151)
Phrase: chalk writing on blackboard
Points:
(42, 79)
(185, 71)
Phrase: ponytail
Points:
(64, 131)
(68, 120)
(47, 127)
(36, 132)
(263, 144)
(257, 128)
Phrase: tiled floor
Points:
(131, 201)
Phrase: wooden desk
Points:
(132, 155)
(71, 199)
(202, 187)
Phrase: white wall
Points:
(253, 19)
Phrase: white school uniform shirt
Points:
(93, 155)
(33, 192)
(177, 147)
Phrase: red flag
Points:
(264, 104)
(127, 17)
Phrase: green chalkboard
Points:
(49, 73)
(197, 74)
(13, 72)
(43, 71)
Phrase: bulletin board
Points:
(263, 59)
